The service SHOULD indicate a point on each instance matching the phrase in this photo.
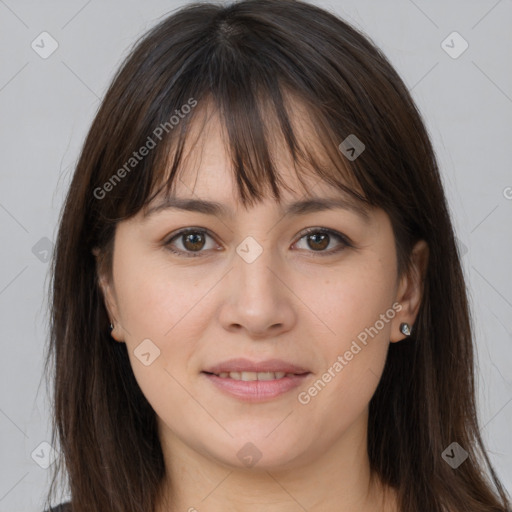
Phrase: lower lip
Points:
(256, 390)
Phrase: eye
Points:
(319, 238)
(192, 240)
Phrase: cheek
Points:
(160, 311)
(167, 307)
(155, 299)
(358, 309)
(354, 300)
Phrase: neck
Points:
(339, 480)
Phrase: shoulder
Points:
(63, 507)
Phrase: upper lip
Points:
(245, 365)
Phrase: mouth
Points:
(255, 387)
(254, 376)
(255, 381)
(246, 369)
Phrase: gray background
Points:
(47, 105)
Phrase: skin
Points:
(290, 303)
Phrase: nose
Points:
(257, 299)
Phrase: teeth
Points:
(250, 376)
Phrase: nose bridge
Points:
(255, 268)
(258, 300)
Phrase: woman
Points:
(257, 298)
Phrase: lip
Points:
(246, 365)
(257, 390)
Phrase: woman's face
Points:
(252, 284)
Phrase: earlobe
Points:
(107, 293)
(114, 326)
(410, 292)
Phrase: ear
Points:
(107, 289)
(410, 290)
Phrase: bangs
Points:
(258, 128)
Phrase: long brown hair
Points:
(252, 60)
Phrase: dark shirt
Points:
(63, 507)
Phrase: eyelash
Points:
(190, 254)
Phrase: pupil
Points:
(324, 238)
(194, 237)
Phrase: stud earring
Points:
(405, 328)
(111, 327)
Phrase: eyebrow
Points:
(304, 207)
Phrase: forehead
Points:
(211, 189)
(206, 169)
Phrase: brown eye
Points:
(318, 240)
(191, 241)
